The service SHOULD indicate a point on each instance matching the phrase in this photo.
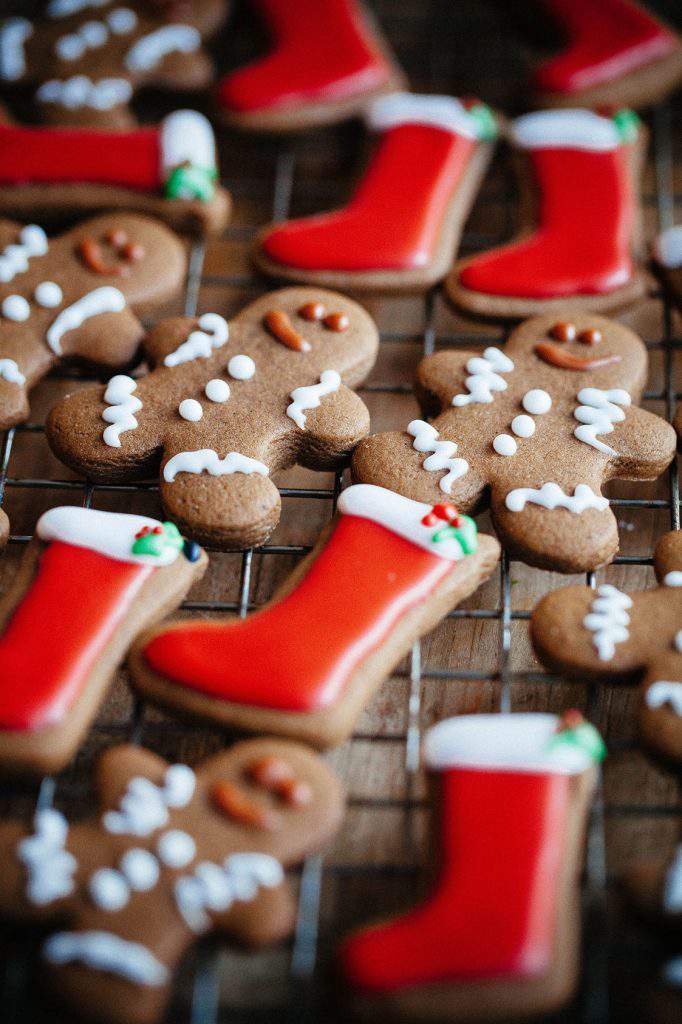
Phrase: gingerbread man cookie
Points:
(173, 856)
(86, 58)
(74, 296)
(608, 634)
(226, 406)
(543, 425)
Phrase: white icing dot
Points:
(190, 410)
(122, 20)
(48, 294)
(34, 240)
(70, 47)
(241, 367)
(178, 785)
(141, 868)
(94, 33)
(523, 426)
(109, 889)
(176, 848)
(15, 307)
(536, 402)
(217, 390)
(504, 444)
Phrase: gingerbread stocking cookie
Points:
(227, 406)
(169, 171)
(543, 425)
(73, 296)
(667, 257)
(499, 936)
(59, 649)
(387, 572)
(580, 208)
(86, 58)
(174, 856)
(615, 636)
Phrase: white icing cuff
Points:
(186, 138)
(111, 534)
(517, 742)
(565, 129)
(444, 112)
(669, 247)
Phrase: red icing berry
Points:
(143, 532)
(570, 719)
(158, 529)
(447, 512)
(430, 519)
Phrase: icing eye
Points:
(312, 311)
(48, 294)
(563, 331)
(591, 336)
(15, 307)
(337, 322)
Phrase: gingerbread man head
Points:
(226, 406)
(172, 856)
(542, 425)
(74, 296)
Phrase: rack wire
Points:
(202, 1000)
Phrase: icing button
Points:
(190, 410)
(504, 444)
(15, 307)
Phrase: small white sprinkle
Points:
(217, 390)
(523, 426)
(190, 410)
(504, 444)
(241, 367)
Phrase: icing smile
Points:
(559, 357)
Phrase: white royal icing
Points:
(597, 413)
(121, 21)
(14, 34)
(143, 808)
(109, 889)
(16, 308)
(190, 410)
(310, 397)
(565, 129)
(669, 247)
(102, 300)
(398, 514)
(216, 887)
(111, 534)
(484, 377)
(49, 866)
(664, 691)
(48, 295)
(673, 579)
(426, 440)
(65, 8)
(552, 496)
(672, 888)
(608, 620)
(536, 401)
(672, 972)
(186, 137)
(104, 951)
(207, 460)
(504, 444)
(523, 426)
(444, 112)
(89, 36)
(217, 390)
(241, 367)
(10, 372)
(120, 412)
(80, 91)
(149, 50)
(176, 849)
(140, 869)
(14, 258)
(213, 333)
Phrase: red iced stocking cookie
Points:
(327, 61)
(386, 574)
(611, 635)
(616, 53)
(74, 296)
(87, 585)
(227, 406)
(87, 58)
(173, 856)
(434, 149)
(543, 424)
(169, 171)
(499, 937)
(580, 173)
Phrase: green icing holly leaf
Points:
(154, 545)
(191, 182)
(627, 124)
(466, 533)
(583, 736)
(486, 122)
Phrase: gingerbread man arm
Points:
(645, 444)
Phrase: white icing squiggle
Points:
(213, 333)
(144, 806)
(664, 691)
(673, 579)
(608, 620)
(120, 414)
(598, 412)
(485, 377)
(102, 300)
(215, 887)
(14, 258)
(426, 440)
(104, 951)
(672, 890)
(149, 50)
(13, 36)
(10, 372)
(50, 867)
(552, 496)
(80, 91)
(207, 460)
(309, 397)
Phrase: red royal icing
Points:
(51, 155)
(493, 908)
(380, 229)
(321, 53)
(582, 245)
(606, 40)
(56, 634)
(298, 654)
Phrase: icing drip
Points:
(80, 91)
(148, 51)
(50, 867)
(215, 887)
(10, 372)
(207, 460)
(426, 440)
(484, 377)
(664, 692)
(672, 890)
(120, 414)
(14, 258)
(309, 397)
(673, 579)
(552, 496)
(13, 36)
(144, 806)
(608, 620)
(104, 951)
(101, 300)
(213, 333)
(598, 412)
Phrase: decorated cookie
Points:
(608, 634)
(85, 59)
(667, 258)
(227, 406)
(543, 424)
(74, 296)
(387, 572)
(498, 938)
(616, 53)
(434, 148)
(173, 856)
(326, 62)
(59, 650)
(579, 172)
(169, 171)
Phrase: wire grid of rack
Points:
(295, 979)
